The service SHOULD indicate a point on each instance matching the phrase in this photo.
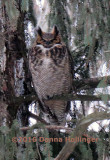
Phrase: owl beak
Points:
(48, 42)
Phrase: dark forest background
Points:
(85, 28)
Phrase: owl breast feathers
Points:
(50, 66)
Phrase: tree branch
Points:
(85, 83)
(37, 118)
(49, 127)
(69, 97)
(90, 82)
(79, 131)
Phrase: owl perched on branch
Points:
(50, 66)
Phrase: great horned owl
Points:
(50, 66)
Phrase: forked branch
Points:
(79, 131)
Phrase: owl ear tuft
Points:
(39, 31)
(55, 31)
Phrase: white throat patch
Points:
(45, 49)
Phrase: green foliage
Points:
(11, 148)
(25, 5)
(81, 65)
(105, 98)
(59, 16)
(100, 149)
(13, 8)
(93, 29)
(87, 40)
(14, 144)
(86, 151)
(46, 147)
(7, 147)
(102, 83)
(94, 13)
(12, 12)
(31, 13)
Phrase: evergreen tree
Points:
(85, 28)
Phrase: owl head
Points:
(48, 39)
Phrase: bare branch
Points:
(49, 127)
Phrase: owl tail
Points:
(57, 111)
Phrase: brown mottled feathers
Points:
(50, 67)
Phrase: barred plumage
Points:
(49, 63)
